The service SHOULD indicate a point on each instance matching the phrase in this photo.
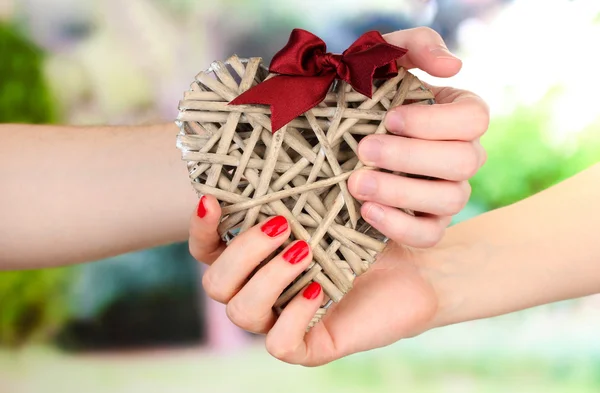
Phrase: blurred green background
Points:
(140, 322)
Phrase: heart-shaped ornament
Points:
(299, 172)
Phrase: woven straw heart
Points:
(299, 172)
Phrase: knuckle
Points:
(240, 316)
(194, 252)
(453, 206)
(428, 242)
(212, 289)
(277, 350)
(457, 197)
(397, 194)
(433, 236)
(484, 156)
(466, 189)
(316, 363)
(387, 146)
(400, 230)
(445, 221)
(428, 32)
(467, 165)
(479, 118)
(253, 322)
(402, 157)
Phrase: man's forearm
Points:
(71, 194)
(541, 250)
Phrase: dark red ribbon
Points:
(306, 72)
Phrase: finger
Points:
(482, 152)
(204, 242)
(458, 115)
(420, 232)
(246, 251)
(426, 51)
(445, 221)
(252, 307)
(436, 197)
(285, 340)
(449, 160)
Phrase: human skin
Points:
(77, 194)
(540, 250)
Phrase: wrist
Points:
(441, 268)
(459, 272)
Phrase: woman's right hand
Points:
(393, 300)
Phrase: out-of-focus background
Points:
(140, 322)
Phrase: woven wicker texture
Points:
(299, 172)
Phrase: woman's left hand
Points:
(439, 141)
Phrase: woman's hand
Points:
(529, 253)
(440, 141)
(396, 277)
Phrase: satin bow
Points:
(306, 71)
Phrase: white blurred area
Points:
(319, 12)
(529, 48)
(119, 61)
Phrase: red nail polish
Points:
(275, 226)
(312, 291)
(201, 207)
(296, 253)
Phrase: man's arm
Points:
(75, 194)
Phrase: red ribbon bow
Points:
(306, 72)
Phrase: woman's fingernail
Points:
(367, 185)
(374, 214)
(394, 122)
(441, 52)
(369, 150)
(296, 253)
(201, 207)
(275, 226)
(312, 290)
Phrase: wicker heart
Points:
(299, 172)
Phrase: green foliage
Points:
(24, 95)
(31, 302)
(523, 160)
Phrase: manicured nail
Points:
(275, 226)
(441, 52)
(296, 253)
(367, 185)
(312, 290)
(202, 207)
(369, 150)
(394, 122)
(374, 214)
